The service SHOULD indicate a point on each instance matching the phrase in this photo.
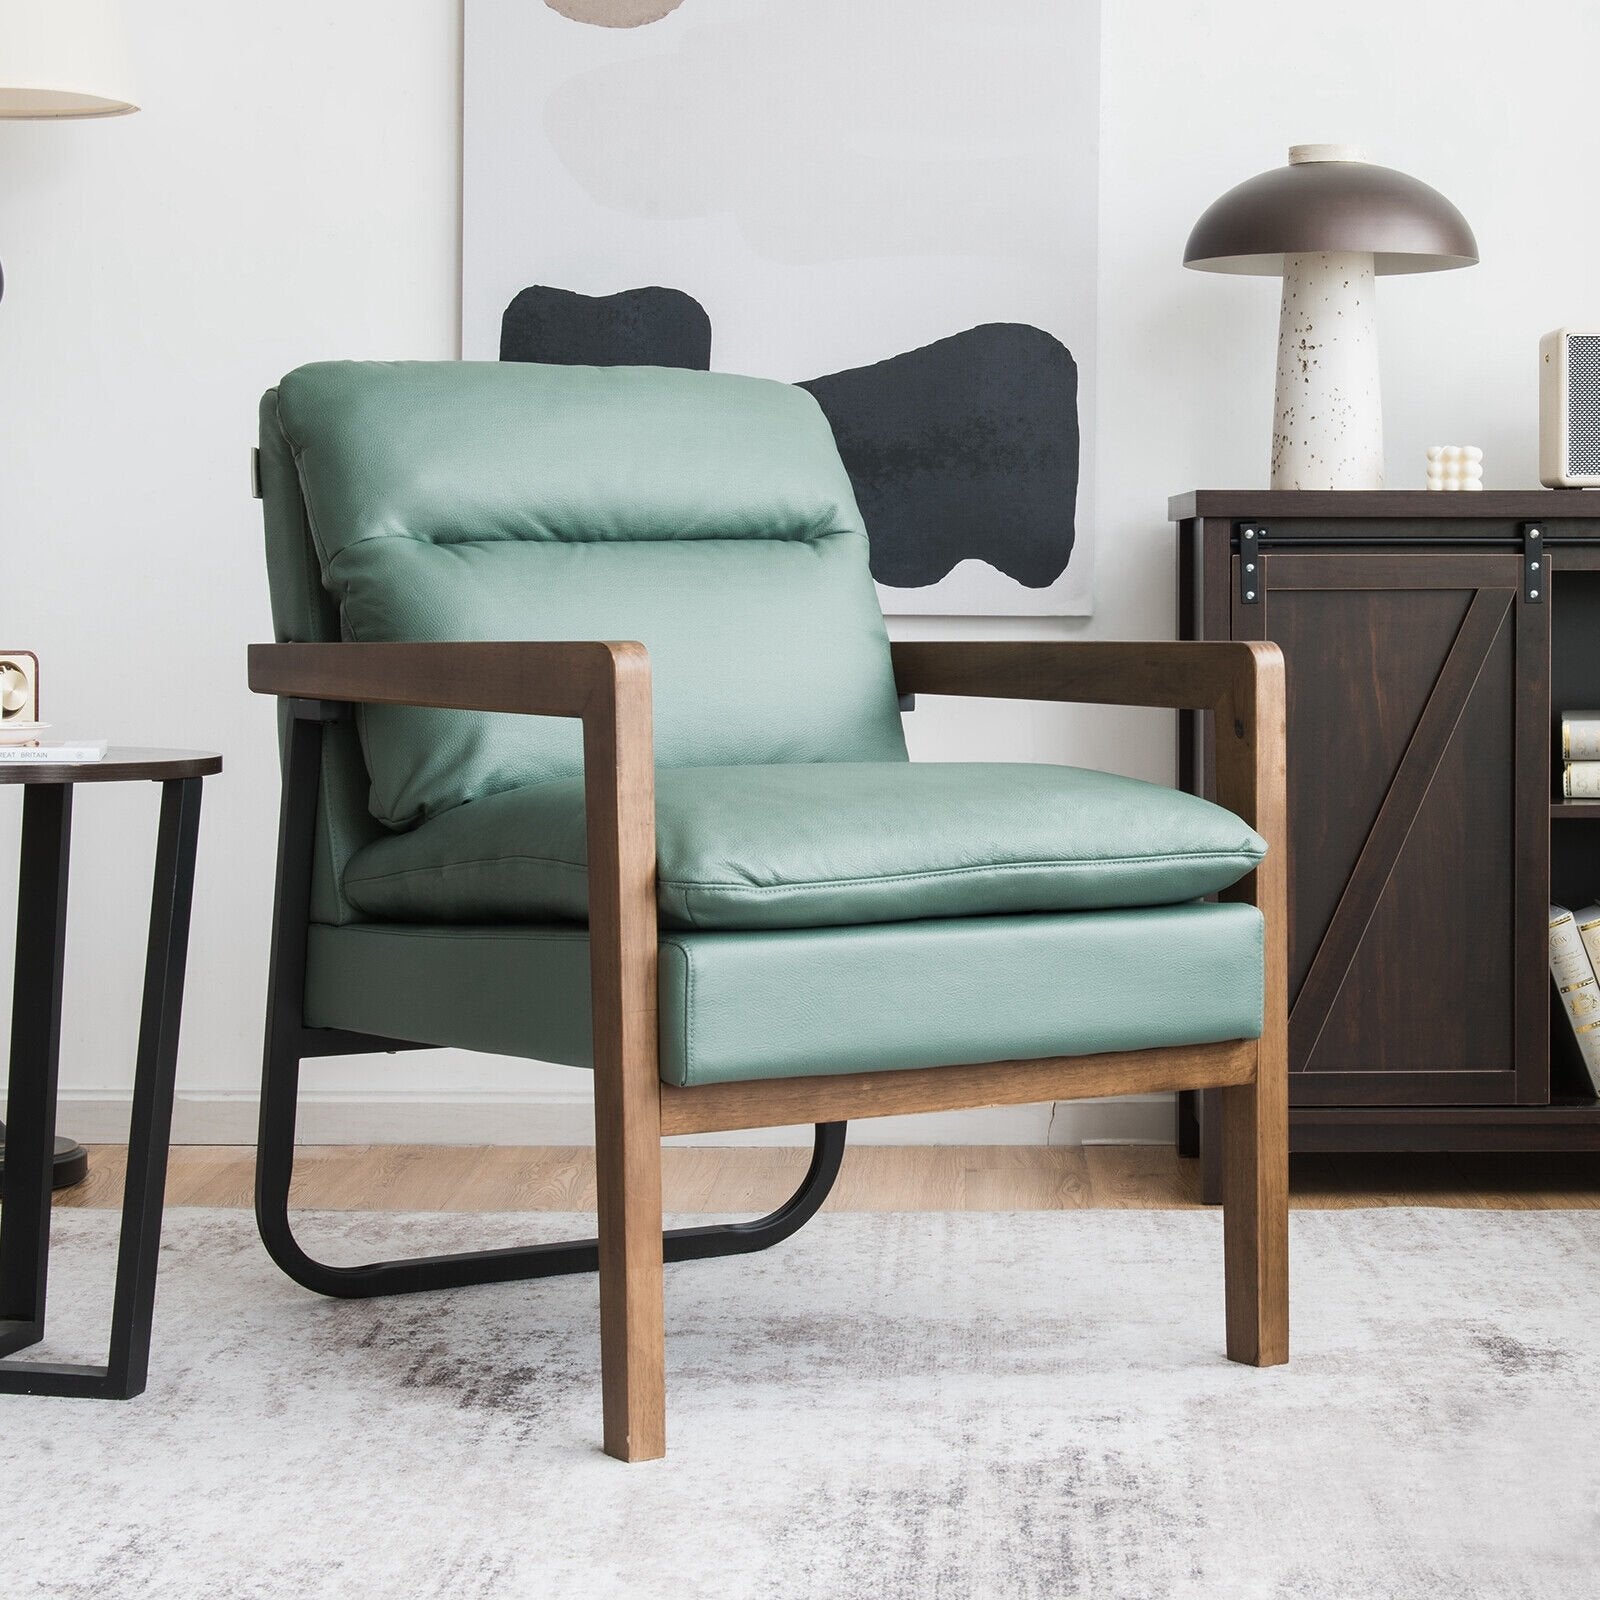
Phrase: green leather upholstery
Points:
(818, 845)
(812, 1002)
(304, 612)
(705, 515)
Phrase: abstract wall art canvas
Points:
(891, 203)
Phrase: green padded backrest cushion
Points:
(706, 515)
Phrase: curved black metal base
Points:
(289, 1041)
(526, 1261)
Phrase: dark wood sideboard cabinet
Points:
(1431, 642)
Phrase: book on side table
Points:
(83, 750)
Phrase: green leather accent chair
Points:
(699, 862)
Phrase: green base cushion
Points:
(810, 1002)
(823, 845)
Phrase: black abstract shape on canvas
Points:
(651, 327)
(965, 448)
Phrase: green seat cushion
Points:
(706, 515)
(822, 845)
(740, 1006)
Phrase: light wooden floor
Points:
(874, 1178)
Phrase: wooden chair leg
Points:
(1255, 1210)
(619, 792)
(632, 1318)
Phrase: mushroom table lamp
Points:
(1328, 224)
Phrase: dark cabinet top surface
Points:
(1433, 505)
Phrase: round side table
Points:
(30, 1134)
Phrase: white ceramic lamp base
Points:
(1327, 430)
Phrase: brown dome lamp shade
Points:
(1329, 224)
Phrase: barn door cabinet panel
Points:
(1431, 641)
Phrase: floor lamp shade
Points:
(1329, 224)
(64, 58)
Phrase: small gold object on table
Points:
(19, 698)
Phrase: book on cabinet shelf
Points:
(1580, 735)
(1580, 755)
(1580, 780)
(1574, 940)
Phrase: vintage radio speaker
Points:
(19, 688)
(1569, 409)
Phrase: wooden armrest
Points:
(540, 678)
(1241, 681)
(1179, 675)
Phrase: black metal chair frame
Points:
(289, 1041)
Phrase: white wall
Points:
(290, 193)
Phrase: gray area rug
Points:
(946, 1406)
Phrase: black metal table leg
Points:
(155, 1076)
(35, 1063)
(133, 1307)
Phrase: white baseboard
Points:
(339, 1117)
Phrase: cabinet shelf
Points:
(1568, 1123)
(1574, 810)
